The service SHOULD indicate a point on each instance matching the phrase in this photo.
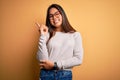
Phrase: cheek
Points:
(52, 22)
(60, 18)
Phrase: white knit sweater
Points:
(64, 48)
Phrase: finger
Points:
(37, 24)
(45, 27)
(42, 61)
(41, 64)
(41, 67)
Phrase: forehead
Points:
(53, 10)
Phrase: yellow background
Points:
(98, 21)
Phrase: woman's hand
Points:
(47, 64)
(42, 28)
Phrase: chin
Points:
(57, 25)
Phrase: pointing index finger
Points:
(37, 24)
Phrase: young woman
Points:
(60, 46)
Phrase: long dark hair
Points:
(65, 23)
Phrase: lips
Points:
(56, 21)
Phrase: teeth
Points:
(56, 21)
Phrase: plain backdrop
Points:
(98, 21)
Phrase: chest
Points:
(61, 41)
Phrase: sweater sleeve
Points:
(77, 54)
(42, 53)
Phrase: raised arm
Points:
(42, 53)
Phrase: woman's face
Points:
(55, 18)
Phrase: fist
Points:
(43, 29)
(46, 64)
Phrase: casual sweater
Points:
(64, 48)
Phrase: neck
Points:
(58, 29)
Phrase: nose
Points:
(54, 17)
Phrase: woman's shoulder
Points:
(76, 34)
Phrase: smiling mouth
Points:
(56, 21)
